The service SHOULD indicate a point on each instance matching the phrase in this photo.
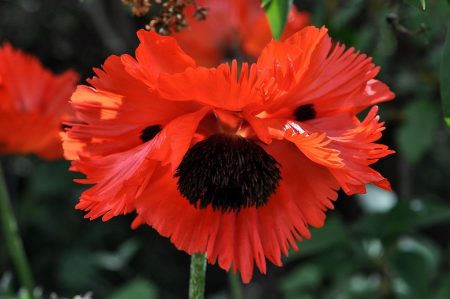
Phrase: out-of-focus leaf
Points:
(277, 12)
(377, 200)
(117, 260)
(332, 234)
(404, 217)
(340, 269)
(305, 276)
(418, 3)
(424, 5)
(416, 136)
(393, 223)
(23, 295)
(404, 262)
(443, 289)
(445, 79)
(363, 284)
(86, 275)
(426, 248)
(373, 248)
(352, 9)
(5, 283)
(51, 179)
(429, 213)
(138, 288)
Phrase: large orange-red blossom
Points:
(235, 161)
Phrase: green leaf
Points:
(428, 213)
(421, 4)
(417, 134)
(376, 200)
(303, 277)
(87, 274)
(115, 261)
(414, 262)
(403, 218)
(138, 288)
(443, 289)
(424, 5)
(277, 12)
(445, 79)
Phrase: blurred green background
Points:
(378, 245)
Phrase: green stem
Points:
(235, 285)
(13, 240)
(198, 274)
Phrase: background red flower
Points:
(232, 29)
(33, 105)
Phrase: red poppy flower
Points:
(232, 27)
(233, 163)
(33, 104)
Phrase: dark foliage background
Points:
(380, 245)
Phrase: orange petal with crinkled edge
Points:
(155, 55)
(219, 87)
(311, 70)
(113, 113)
(341, 143)
(359, 151)
(118, 96)
(118, 179)
(291, 59)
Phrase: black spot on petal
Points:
(227, 172)
(305, 112)
(150, 132)
(65, 127)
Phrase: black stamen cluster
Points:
(150, 132)
(305, 112)
(227, 172)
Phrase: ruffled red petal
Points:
(343, 144)
(119, 178)
(112, 115)
(358, 151)
(311, 70)
(156, 55)
(219, 87)
(239, 240)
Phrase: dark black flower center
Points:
(305, 112)
(227, 172)
(150, 132)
